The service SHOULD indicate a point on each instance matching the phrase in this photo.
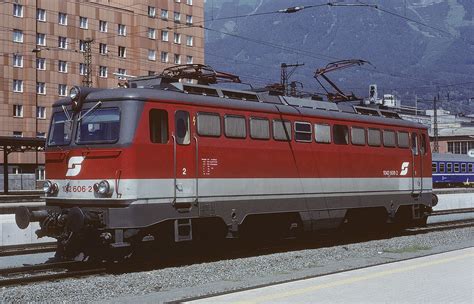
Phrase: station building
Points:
(43, 47)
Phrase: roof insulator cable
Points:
(293, 9)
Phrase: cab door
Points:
(185, 157)
(417, 166)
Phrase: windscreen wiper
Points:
(98, 104)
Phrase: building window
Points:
(17, 110)
(62, 42)
(122, 73)
(151, 33)
(189, 2)
(41, 112)
(122, 30)
(164, 14)
(122, 52)
(40, 172)
(177, 38)
(62, 90)
(62, 19)
(103, 48)
(164, 36)
(83, 23)
(18, 36)
(17, 61)
(151, 11)
(18, 10)
(82, 69)
(62, 66)
(16, 170)
(82, 46)
(41, 14)
(103, 26)
(164, 57)
(41, 64)
(40, 88)
(189, 59)
(177, 17)
(152, 55)
(189, 40)
(177, 58)
(41, 39)
(103, 71)
(41, 134)
(189, 19)
(151, 73)
(17, 85)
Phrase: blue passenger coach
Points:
(452, 170)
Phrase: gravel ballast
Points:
(176, 283)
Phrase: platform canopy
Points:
(9, 144)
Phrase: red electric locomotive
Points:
(162, 160)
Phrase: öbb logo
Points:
(74, 165)
(404, 168)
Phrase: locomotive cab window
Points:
(282, 130)
(259, 128)
(340, 134)
(303, 132)
(60, 130)
(374, 137)
(434, 167)
(182, 131)
(158, 126)
(209, 124)
(358, 136)
(98, 126)
(235, 126)
(389, 138)
(403, 140)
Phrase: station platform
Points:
(440, 278)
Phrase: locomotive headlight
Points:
(74, 93)
(103, 187)
(49, 187)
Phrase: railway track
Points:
(47, 272)
(27, 249)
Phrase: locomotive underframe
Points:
(119, 227)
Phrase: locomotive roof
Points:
(248, 101)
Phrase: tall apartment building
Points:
(42, 53)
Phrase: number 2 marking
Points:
(184, 171)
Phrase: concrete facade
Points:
(42, 43)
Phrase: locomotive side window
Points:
(209, 124)
(259, 128)
(456, 167)
(449, 167)
(414, 143)
(403, 140)
(322, 133)
(463, 167)
(442, 168)
(158, 126)
(358, 136)
(99, 126)
(434, 167)
(389, 138)
(281, 130)
(374, 137)
(341, 134)
(235, 126)
(183, 134)
(303, 132)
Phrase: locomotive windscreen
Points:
(99, 126)
(60, 133)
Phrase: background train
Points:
(452, 170)
(163, 161)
